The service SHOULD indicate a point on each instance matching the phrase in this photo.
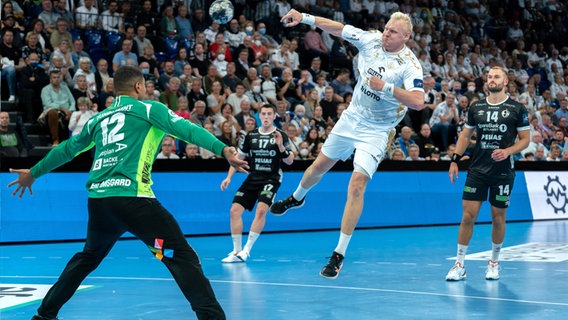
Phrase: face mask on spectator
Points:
(304, 152)
(221, 57)
(145, 71)
(262, 30)
(299, 114)
(248, 30)
(471, 88)
(424, 16)
(257, 43)
(34, 64)
(256, 89)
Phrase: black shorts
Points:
(250, 192)
(500, 187)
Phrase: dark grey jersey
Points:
(263, 155)
(497, 127)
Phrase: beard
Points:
(496, 88)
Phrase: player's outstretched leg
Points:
(279, 208)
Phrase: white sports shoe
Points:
(232, 258)
(492, 272)
(243, 255)
(456, 273)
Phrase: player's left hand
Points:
(500, 154)
(231, 154)
(24, 181)
(292, 18)
(278, 138)
(225, 184)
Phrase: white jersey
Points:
(400, 68)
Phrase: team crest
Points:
(505, 113)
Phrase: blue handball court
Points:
(394, 268)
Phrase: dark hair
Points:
(126, 77)
(267, 105)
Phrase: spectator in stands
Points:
(32, 45)
(111, 20)
(226, 135)
(86, 16)
(106, 92)
(167, 149)
(242, 64)
(148, 18)
(211, 77)
(341, 84)
(216, 98)
(268, 86)
(554, 154)
(101, 75)
(199, 61)
(60, 33)
(13, 141)
(259, 53)
(230, 80)
(180, 61)
(140, 39)
(405, 139)
(329, 104)
(562, 111)
(58, 102)
(211, 32)
(170, 96)
(443, 121)
(186, 78)
(198, 115)
(280, 59)
(195, 94)
(48, 16)
(125, 56)
(290, 91)
(185, 31)
(81, 89)
(220, 42)
(424, 141)
(84, 68)
(153, 65)
(12, 62)
(255, 95)
(191, 152)
(199, 21)
(64, 51)
(37, 27)
(32, 79)
(77, 53)
(220, 62)
(237, 97)
(60, 7)
(151, 92)
(245, 113)
(79, 118)
(168, 23)
(57, 64)
(234, 36)
(182, 108)
(397, 155)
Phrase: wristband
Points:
(456, 157)
(284, 154)
(388, 88)
(308, 19)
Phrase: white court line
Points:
(423, 293)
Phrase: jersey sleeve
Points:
(63, 153)
(360, 38)
(244, 145)
(470, 117)
(413, 76)
(523, 118)
(165, 119)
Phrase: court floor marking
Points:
(424, 293)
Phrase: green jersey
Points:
(126, 137)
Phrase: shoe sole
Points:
(328, 277)
(283, 213)
(454, 280)
(491, 278)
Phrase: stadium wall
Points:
(57, 209)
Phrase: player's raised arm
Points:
(293, 18)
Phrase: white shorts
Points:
(370, 143)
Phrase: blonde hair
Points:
(404, 18)
(84, 101)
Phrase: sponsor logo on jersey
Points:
(469, 189)
(525, 117)
(112, 183)
(418, 83)
(505, 113)
(369, 93)
(375, 73)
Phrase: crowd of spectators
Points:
(58, 58)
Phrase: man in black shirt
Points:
(265, 148)
(498, 120)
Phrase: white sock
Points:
(250, 241)
(462, 250)
(300, 192)
(495, 251)
(342, 243)
(237, 242)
